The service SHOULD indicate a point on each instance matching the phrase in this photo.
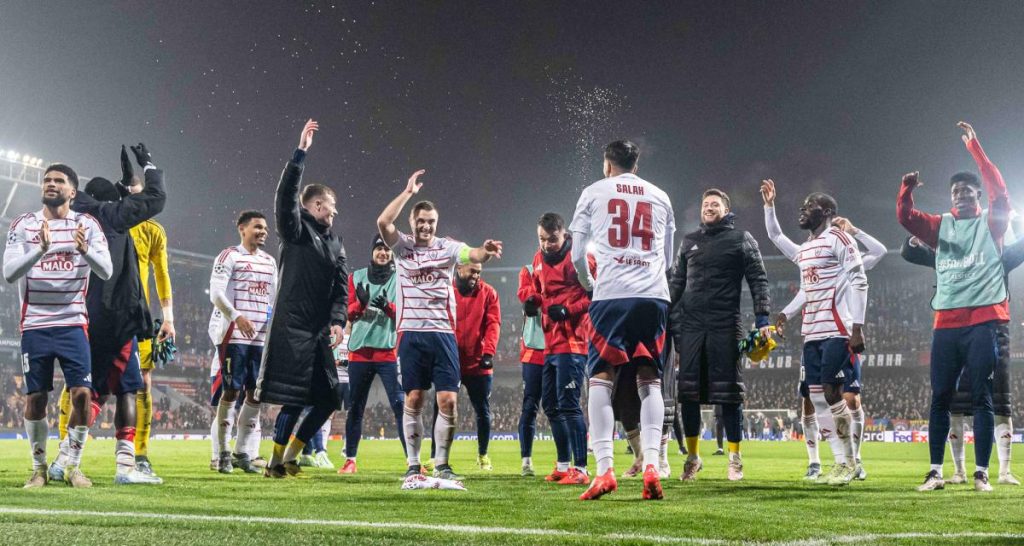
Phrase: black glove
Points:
(487, 362)
(362, 294)
(343, 363)
(142, 155)
(531, 307)
(558, 313)
(127, 172)
(381, 301)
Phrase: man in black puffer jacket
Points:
(706, 324)
(308, 317)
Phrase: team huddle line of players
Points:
(606, 300)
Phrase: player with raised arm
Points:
(52, 252)
(630, 224)
(427, 351)
(832, 277)
(874, 252)
(308, 320)
(242, 285)
(971, 300)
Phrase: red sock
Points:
(125, 433)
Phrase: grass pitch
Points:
(772, 504)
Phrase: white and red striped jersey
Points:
(628, 225)
(831, 276)
(242, 283)
(54, 283)
(426, 298)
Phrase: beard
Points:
(57, 201)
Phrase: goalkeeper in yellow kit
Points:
(151, 246)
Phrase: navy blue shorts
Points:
(830, 362)
(428, 358)
(239, 365)
(626, 330)
(117, 371)
(67, 344)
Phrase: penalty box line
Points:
(474, 529)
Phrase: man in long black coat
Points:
(706, 323)
(308, 314)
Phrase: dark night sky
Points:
(507, 105)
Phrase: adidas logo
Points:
(694, 247)
(572, 385)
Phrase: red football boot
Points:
(348, 468)
(652, 484)
(575, 477)
(556, 475)
(602, 485)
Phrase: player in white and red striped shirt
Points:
(242, 287)
(53, 251)
(427, 350)
(832, 278)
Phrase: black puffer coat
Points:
(705, 320)
(298, 367)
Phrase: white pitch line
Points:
(474, 529)
(398, 526)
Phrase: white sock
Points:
(857, 431)
(36, 432)
(225, 411)
(811, 438)
(527, 461)
(827, 426)
(444, 433)
(124, 455)
(983, 469)
(214, 446)
(663, 450)
(937, 468)
(62, 453)
(652, 417)
(248, 420)
(633, 439)
(957, 447)
(1004, 442)
(326, 429)
(844, 429)
(561, 467)
(76, 443)
(602, 424)
(252, 447)
(412, 426)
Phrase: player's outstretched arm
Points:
(483, 253)
(995, 187)
(771, 223)
(386, 220)
(875, 249)
(917, 253)
(919, 224)
(287, 216)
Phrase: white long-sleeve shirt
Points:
(831, 278)
(241, 284)
(54, 283)
(630, 225)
